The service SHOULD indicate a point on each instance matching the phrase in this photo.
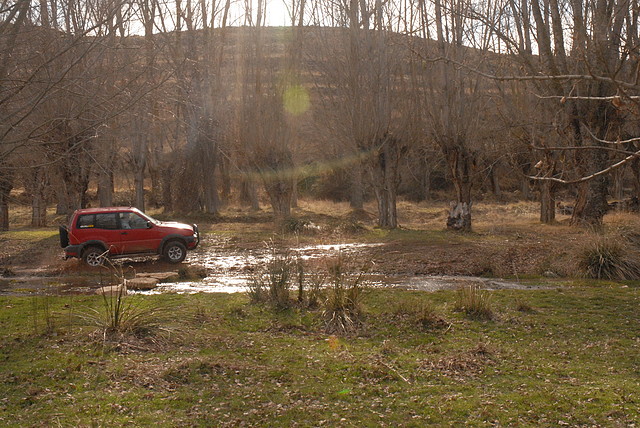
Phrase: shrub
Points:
(474, 302)
(607, 259)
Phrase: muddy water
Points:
(230, 270)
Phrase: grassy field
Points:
(543, 357)
(567, 356)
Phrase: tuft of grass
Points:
(121, 315)
(271, 283)
(522, 306)
(474, 302)
(343, 312)
(42, 314)
(422, 313)
(608, 259)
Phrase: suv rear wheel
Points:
(93, 256)
(175, 251)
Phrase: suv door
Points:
(136, 235)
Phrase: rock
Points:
(142, 283)
(550, 274)
(160, 276)
(113, 290)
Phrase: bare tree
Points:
(583, 66)
(365, 76)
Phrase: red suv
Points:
(125, 232)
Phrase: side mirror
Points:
(149, 225)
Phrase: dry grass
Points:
(474, 302)
(343, 312)
(609, 258)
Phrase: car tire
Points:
(93, 256)
(175, 252)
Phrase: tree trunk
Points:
(4, 212)
(62, 197)
(635, 168)
(356, 192)
(525, 188)
(591, 205)
(294, 193)
(461, 165)
(618, 183)
(210, 190)
(426, 182)
(6, 184)
(249, 194)
(386, 179)
(38, 186)
(138, 182)
(166, 183)
(547, 202)
(459, 216)
(105, 187)
(495, 183)
(280, 192)
(209, 158)
(38, 211)
(156, 188)
(225, 175)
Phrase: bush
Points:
(607, 259)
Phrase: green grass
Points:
(572, 359)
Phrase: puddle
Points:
(229, 271)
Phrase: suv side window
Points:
(106, 221)
(86, 221)
(132, 221)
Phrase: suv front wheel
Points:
(175, 251)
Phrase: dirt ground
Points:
(507, 241)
